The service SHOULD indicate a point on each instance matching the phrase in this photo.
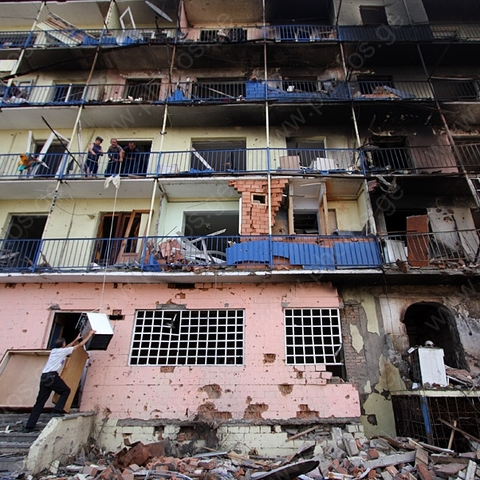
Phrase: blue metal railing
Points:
(157, 254)
(108, 38)
(368, 160)
(215, 92)
(295, 252)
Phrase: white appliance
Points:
(428, 366)
(101, 324)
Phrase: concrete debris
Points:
(345, 455)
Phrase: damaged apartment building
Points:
(295, 227)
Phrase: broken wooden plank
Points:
(429, 447)
(298, 435)
(288, 471)
(394, 459)
(471, 437)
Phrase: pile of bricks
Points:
(346, 454)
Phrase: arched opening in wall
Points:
(431, 321)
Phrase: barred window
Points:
(188, 337)
(313, 335)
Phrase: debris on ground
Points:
(345, 455)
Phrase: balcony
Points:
(456, 251)
(369, 160)
(180, 254)
(436, 250)
(236, 92)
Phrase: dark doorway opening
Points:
(23, 239)
(64, 326)
(430, 321)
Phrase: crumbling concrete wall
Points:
(376, 341)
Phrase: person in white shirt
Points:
(51, 381)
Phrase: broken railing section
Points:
(368, 160)
(452, 249)
(157, 254)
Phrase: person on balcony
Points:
(115, 158)
(50, 380)
(131, 160)
(94, 153)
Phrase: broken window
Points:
(188, 337)
(373, 15)
(52, 160)
(313, 336)
(219, 155)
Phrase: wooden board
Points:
(417, 245)
(20, 372)
(72, 373)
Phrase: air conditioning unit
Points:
(101, 324)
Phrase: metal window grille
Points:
(313, 336)
(188, 337)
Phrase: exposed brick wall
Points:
(255, 219)
(355, 362)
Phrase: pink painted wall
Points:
(272, 388)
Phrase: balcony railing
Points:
(440, 250)
(449, 249)
(368, 160)
(238, 92)
(157, 254)
(382, 34)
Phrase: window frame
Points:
(183, 337)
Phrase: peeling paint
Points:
(357, 339)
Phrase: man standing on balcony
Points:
(115, 158)
(131, 160)
(51, 381)
(94, 153)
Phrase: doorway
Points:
(431, 321)
(119, 237)
(64, 326)
(24, 239)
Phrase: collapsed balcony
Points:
(178, 253)
(441, 250)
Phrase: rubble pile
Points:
(345, 455)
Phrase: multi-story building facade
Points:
(301, 209)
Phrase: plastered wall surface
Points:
(264, 387)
